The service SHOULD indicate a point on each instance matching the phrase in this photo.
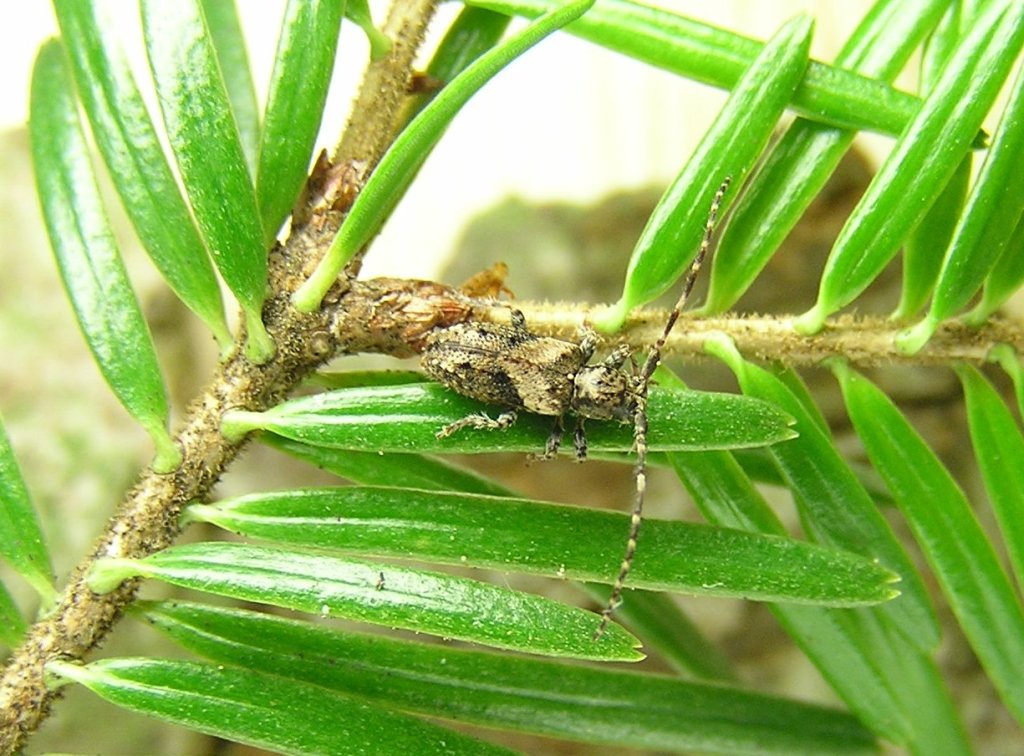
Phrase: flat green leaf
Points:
(229, 43)
(801, 162)
(998, 443)
(834, 508)
(22, 544)
(399, 597)
(939, 47)
(521, 535)
(921, 264)
(295, 103)
(760, 467)
(729, 148)
(987, 224)
(792, 380)
(921, 162)
(406, 470)
(205, 140)
(890, 683)
(266, 711)
(936, 718)
(600, 706)
(388, 182)
(371, 468)
(657, 618)
(654, 616)
(669, 632)
(87, 255)
(726, 496)
(1008, 359)
(892, 686)
(1004, 280)
(136, 163)
(12, 624)
(719, 57)
(841, 644)
(953, 542)
(406, 418)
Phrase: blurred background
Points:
(569, 121)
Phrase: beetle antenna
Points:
(643, 385)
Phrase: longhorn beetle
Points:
(512, 367)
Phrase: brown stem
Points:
(384, 88)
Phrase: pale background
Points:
(568, 121)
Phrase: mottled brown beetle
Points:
(512, 367)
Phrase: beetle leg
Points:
(501, 422)
(580, 440)
(554, 442)
(618, 358)
(588, 341)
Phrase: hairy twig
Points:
(866, 341)
(385, 83)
